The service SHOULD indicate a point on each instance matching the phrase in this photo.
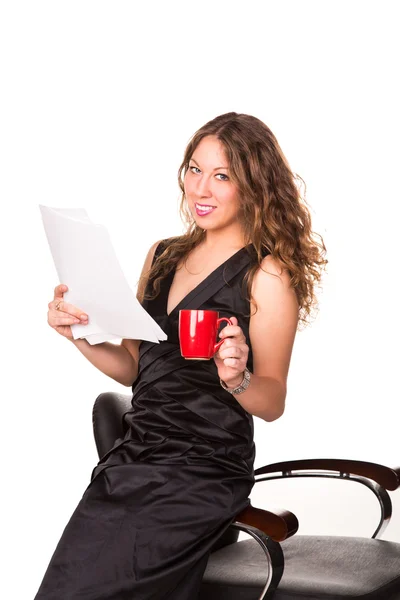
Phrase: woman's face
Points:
(212, 197)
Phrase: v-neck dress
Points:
(163, 495)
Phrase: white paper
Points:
(86, 262)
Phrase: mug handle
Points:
(221, 320)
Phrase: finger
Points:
(227, 349)
(64, 309)
(58, 321)
(234, 342)
(64, 331)
(59, 290)
(239, 352)
(231, 331)
(232, 362)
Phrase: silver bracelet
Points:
(240, 388)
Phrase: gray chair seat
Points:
(368, 569)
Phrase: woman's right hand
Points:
(66, 315)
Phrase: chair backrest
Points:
(108, 411)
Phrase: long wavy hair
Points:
(273, 211)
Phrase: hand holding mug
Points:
(231, 358)
(197, 337)
(62, 315)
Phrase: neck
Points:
(233, 238)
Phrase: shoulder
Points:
(151, 254)
(160, 246)
(271, 276)
(157, 250)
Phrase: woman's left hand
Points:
(231, 358)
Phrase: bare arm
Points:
(118, 361)
(113, 360)
(272, 333)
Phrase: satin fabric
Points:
(163, 495)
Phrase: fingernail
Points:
(83, 317)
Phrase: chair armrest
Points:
(273, 553)
(386, 477)
(278, 525)
(375, 477)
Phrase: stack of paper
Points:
(86, 262)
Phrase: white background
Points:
(98, 101)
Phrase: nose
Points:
(203, 188)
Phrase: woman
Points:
(160, 499)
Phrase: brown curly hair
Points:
(273, 212)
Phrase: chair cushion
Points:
(316, 568)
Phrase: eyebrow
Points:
(216, 168)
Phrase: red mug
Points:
(198, 330)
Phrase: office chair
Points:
(274, 563)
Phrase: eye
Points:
(194, 169)
(223, 176)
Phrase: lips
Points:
(204, 209)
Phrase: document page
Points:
(86, 262)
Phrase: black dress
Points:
(159, 500)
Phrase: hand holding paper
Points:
(86, 262)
